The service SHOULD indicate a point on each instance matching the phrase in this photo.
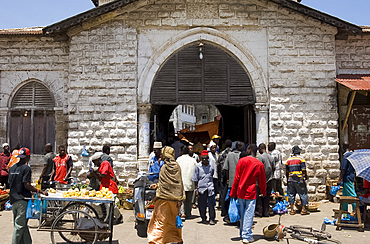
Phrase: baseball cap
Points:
(216, 137)
(23, 152)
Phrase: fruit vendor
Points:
(105, 174)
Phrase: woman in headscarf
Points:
(169, 196)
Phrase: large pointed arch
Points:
(215, 37)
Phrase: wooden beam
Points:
(349, 110)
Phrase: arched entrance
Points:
(32, 117)
(202, 73)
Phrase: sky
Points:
(32, 13)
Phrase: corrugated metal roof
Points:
(356, 82)
(22, 31)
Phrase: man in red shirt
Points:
(105, 174)
(63, 166)
(4, 161)
(248, 171)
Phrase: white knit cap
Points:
(96, 156)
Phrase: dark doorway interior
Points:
(204, 74)
(237, 123)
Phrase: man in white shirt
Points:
(187, 165)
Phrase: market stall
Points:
(75, 222)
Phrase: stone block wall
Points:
(353, 54)
(297, 55)
(24, 58)
(102, 96)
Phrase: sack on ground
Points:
(234, 211)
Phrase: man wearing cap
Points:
(4, 161)
(216, 140)
(155, 162)
(104, 173)
(48, 165)
(203, 180)
(20, 189)
(297, 175)
(107, 179)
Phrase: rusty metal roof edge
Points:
(63, 25)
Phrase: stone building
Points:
(269, 66)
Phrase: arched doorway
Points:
(202, 73)
(32, 117)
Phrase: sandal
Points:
(292, 213)
(305, 213)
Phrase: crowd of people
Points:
(15, 174)
(185, 175)
(246, 173)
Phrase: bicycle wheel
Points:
(309, 231)
(311, 239)
(71, 227)
(82, 207)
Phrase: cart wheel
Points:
(83, 207)
(68, 226)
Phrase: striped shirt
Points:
(295, 165)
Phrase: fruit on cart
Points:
(104, 192)
(121, 189)
(52, 190)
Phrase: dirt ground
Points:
(194, 232)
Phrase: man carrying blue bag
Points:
(20, 189)
(248, 171)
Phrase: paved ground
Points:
(194, 232)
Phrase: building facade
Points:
(100, 77)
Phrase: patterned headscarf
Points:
(170, 186)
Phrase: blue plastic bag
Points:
(234, 211)
(328, 221)
(334, 190)
(33, 208)
(85, 153)
(179, 223)
(228, 194)
(8, 206)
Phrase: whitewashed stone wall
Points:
(102, 95)
(295, 53)
(353, 55)
(23, 59)
(290, 58)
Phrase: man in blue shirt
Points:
(347, 175)
(203, 180)
(155, 162)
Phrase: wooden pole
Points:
(349, 110)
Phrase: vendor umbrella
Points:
(360, 160)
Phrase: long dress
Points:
(162, 226)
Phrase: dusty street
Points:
(194, 232)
